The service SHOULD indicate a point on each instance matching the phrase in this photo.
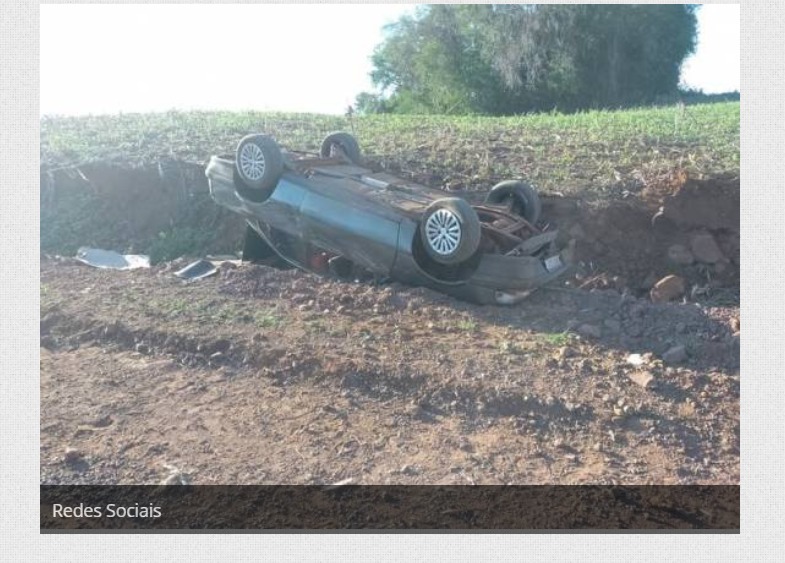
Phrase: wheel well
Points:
(449, 273)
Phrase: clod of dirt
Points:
(73, 456)
(705, 249)
(642, 378)
(667, 289)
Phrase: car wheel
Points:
(259, 162)
(521, 198)
(450, 230)
(343, 141)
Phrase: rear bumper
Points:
(506, 280)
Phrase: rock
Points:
(675, 355)
(566, 352)
(705, 249)
(72, 456)
(142, 348)
(667, 289)
(680, 254)
(591, 331)
(409, 470)
(635, 360)
(100, 421)
(642, 378)
(735, 324)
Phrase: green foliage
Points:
(556, 338)
(467, 325)
(506, 59)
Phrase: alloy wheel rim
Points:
(443, 231)
(252, 161)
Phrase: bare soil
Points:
(267, 376)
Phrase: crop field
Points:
(589, 151)
(260, 375)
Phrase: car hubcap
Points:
(443, 231)
(252, 161)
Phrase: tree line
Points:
(517, 58)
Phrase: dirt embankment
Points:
(669, 225)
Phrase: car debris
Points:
(99, 258)
(197, 270)
(328, 213)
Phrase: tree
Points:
(501, 59)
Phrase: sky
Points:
(716, 65)
(102, 58)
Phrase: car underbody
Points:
(330, 214)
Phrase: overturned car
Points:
(328, 213)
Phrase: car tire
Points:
(346, 142)
(259, 162)
(450, 230)
(522, 199)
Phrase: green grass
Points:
(587, 151)
(594, 155)
(467, 325)
(556, 338)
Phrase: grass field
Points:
(585, 152)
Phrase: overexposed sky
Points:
(716, 65)
(103, 58)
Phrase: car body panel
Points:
(372, 219)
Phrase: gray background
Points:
(762, 425)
